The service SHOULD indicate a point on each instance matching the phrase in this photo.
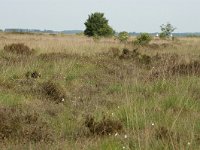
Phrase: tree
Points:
(166, 30)
(97, 25)
(123, 36)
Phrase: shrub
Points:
(127, 54)
(97, 25)
(164, 134)
(145, 59)
(33, 74)
(123, 36)
(104, 127)
(19, 124)
(18, 48)
(53, 91)
(192, 68)
(143, 39)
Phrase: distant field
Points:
(71, 92)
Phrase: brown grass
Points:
(104, 127)
(18, 125)
(18, 48)
(162, 133)
(53, 91)
(33, 74)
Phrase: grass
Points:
(155, 102)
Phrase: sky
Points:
(123, 15)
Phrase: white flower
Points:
(123, 147)
(112, 114)
(188, 143)
(125, 136)
(116, 134)
(117, 106)
(152, 124)
(63, 99)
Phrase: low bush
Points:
(17, 124)
(143, 39)
(33, 74)
(123, 36)
(19, 49)
(104, 127)
(53, 91)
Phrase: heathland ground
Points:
(72, 92)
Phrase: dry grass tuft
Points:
(33, 74)
(114, 51)
(19, 125)
(53, 56)
(53, 91)
(104, 127)
(173, 65)
(192, 68)
(165, 134)
(19, 49)
(135, 56)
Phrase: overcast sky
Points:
(128, 15)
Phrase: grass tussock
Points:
(103, 127)
(53, 91)
(173, 65)
(165, 134)
(18, 48)
(54, 56)
(191, 68)
(33, 75)
(18, 125)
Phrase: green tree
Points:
(97, 25)
(123, 36)
(166, 30)
(143, 39)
